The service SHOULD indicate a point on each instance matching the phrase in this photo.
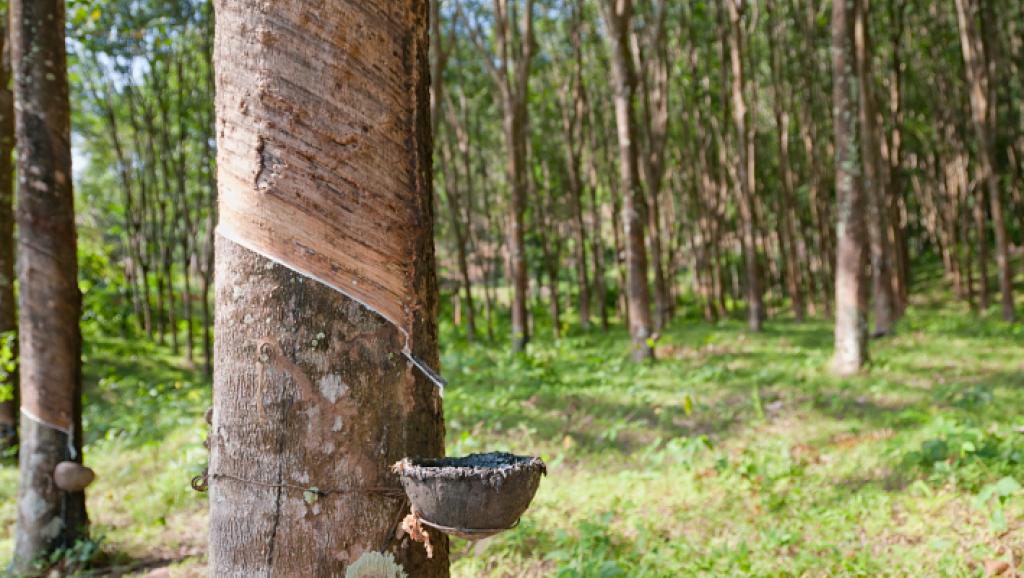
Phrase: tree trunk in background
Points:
(310, 387)
(980, 89)
(851, 350)
(8, 315)
(50, 302)
(455, 214)
(745, 196)
(895, 193)
(651, 61)
(573, 106)
(550, 247)
(596, 238)
(873, 177)
(787, 213)
(510, 70)
(617, 16)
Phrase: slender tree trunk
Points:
(745, 195)
(455, 214)
(596, 242)
(50, 302)
(8, 321)
(787, 212)
(510, 68)
(211, 198)
(617, 15)
(313, 400)
(895, 182)
(871, 156)
(979, 79)
(851, 350)
(573, 114)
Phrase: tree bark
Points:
(745, 194)
(8, 322)
(979, 80)
(510, 69)
(871, 157)
(313, 400)
(787, 212)
(50, 302)
(573, 106)
(851, 351)
(617, 15)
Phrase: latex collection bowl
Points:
(472, 497)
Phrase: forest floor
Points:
(732, 455)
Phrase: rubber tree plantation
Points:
(511, 288)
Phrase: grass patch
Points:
(733, 454)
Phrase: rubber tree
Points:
(851, 350)
(742, 124)
(981, 71)
(50, 302)
(8, 407)
(323, 109)
(617, 16)
(884, 298)
(509, 65)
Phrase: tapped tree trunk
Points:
(617, 15)
(851, 350)
(313, 400)
(50, 302)
(8, 408)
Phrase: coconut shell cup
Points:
(471, 497)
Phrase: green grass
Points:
(732, 455)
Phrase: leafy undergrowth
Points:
(144, 437)
(732, 455)
(737, 454)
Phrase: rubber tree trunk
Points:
(745, 197)
(884, 301)
(313, 400)
(50, 303)
(618, 14)
(8, 408)
(851, 350)
(788, 208)
(979, 80)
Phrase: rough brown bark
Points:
(9, 408)
(313, 399)
(852, 248)
(617, 16)
(981, 91)
(50, 303)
